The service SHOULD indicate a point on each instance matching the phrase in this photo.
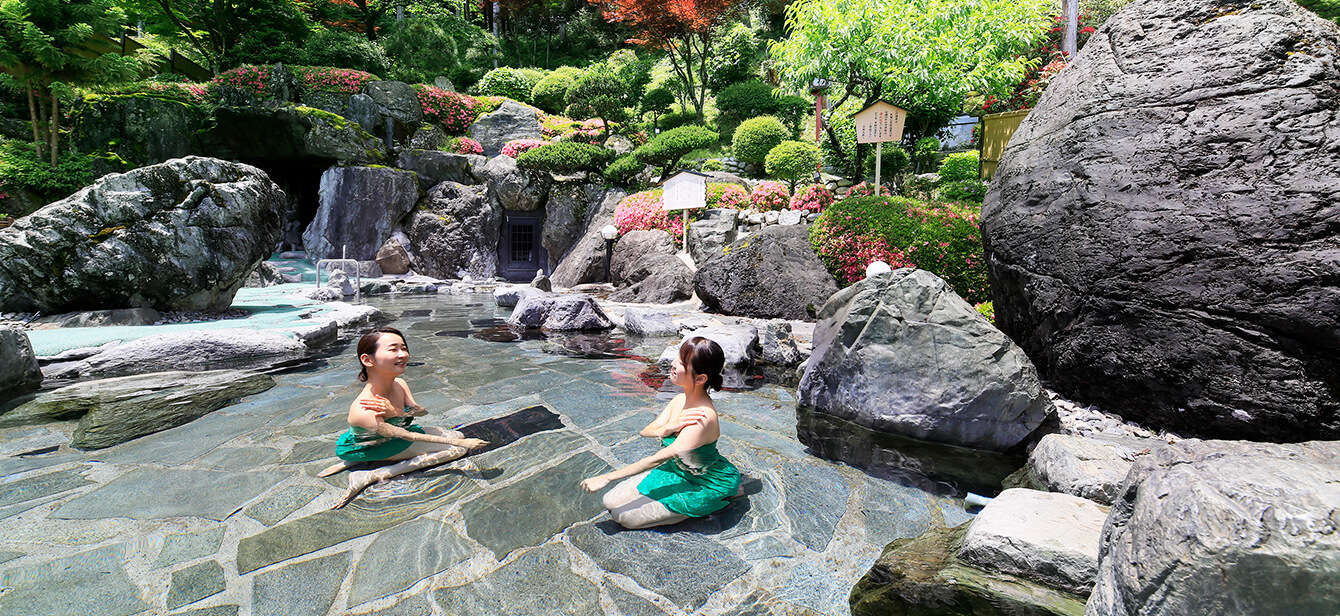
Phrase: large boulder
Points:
(773, 274)
(635, 245)
(107, 318)
(900, 352)
(392, 258)
(290, 134)
(1091, 467)
(648, 322)
(564, 218)
(145, 130)
(713, 231)
(576, 312)
(181, 235)
(195, 350)
(1162, 232)
(511, 187)
(398, 109)
(455, 232)
(1049, 538)
(434, 167)
(738, 341)
(509, 121)
(585, 262)
(1224, 527)
(359, 207)
(19, 372)
(657, 279)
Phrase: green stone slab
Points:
(301, 589)
(41, 485)
(93, 582)
(630, 604)
(378, 508)
(238, 458)
(6, 556)
(635, 450)
(821, 589)
(145, 494)
(309, 451)
(479, 374)
(587, 404)
(684, 567)
(416, 605)
(195, 583)
(398, 558)
(816, 499)
(284, 399)
(516, 387)
(621, 430)
(179, 445)
(218, 610)
(536, 508)
(181, 547)
(540, 581)
(329, 425)
(893, 511)
(277, 506)
(528, 452)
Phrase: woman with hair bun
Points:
(687, 478)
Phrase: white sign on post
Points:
(876, 124)
(685, 190)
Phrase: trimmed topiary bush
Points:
(507, 82)
(551, 93)
(958, 167)
(792, 161)
(756, 137)
(598, 93)
(454, 112)
(516, 147)
(769, 196)
(566, 157)
(814, 198)
(644, 211)
(896, 160)
(623, 171)
(943, 240)
(665, 149)
(741, 101)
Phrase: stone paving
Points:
(224, 516)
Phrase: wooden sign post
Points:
(876, 124)
(685, 190)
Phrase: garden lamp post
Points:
(818, 88)
(609, 232)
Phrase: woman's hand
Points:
(595, 484)
(378, 405)
(689, 418)
(472, 443)
(416, 410)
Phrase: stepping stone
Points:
(684, 567)
(278, 505)
(816, 498)
(398, 558)
(532, 451)
(42, 485)
(540, 581)
(169, 493)
(416, 605)
(93, 582)
(630, 604)
(302, 589)
(182, 547)
(195, 583)
(536, 508)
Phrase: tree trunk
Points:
(55, 129)
(497, 16)
(1070, 33)
(35, 118)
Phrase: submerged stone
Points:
(144, 494)
(195, 583)
(508, 518)
(93, 582)
(32, 488)
(684, 567)
(277, 506)
(400, 557)
(307, 588)
(540, 581)
(181, 547)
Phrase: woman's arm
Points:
(370, 413)
(691, 437)
(414, 409)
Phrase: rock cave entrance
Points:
(300, 180)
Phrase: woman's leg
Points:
(632, 510)
(419, 455)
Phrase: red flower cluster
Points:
(455, 112)
(516, 147)
(770, 196)
(248, 77)
(335, 80)
(465, 145)
(815, 198)
(644, 211)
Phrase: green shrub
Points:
(713, 164)
(943, 240)
(665, 149)
(742, 101)
(896, 160)
(532, 75)
(959, 167)
(756, 137)
(598, 93)
(423, 48)
(657, 101)
(925, 152)
(624, 170)
(551, 93)
(676, 119)
(791, 110)
(336, 47)
(506, 82)
(973, 191)
(566, 157)
(988, 310)
(792, 161)
(733, 58)
(21, 167)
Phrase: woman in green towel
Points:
(381, 419)
(687, 478)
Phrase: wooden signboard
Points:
(686, 190)
(876, 124)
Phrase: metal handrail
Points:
(358, 275)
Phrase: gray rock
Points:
(901, 353)
(427, 137)
(648, 322)
(398, 108)
(790, 217)
(727, 178)
(585, 262)
(434, 167)
(340, 282)
(684, 567)
(366, 268)
(1218, 527)
(513, 188)
(773, 274)
(1049, 538)
(508, 297)
(307, 588)
(146, 130)
(444, 83)
(392, 258)
(541, 282)
(564, 218)
(290, 134)
(713, 231)
(1202, 300)
(323, 294)
(400, 557)
(634, 245)
(195, 583)
(359, 206)
(1091, 467)
(540, 581)
(266, 274)
(509, 121)
(657, 279)
(455, 232)
(191, 350)
(157, 493)
(738, 342)
(559, 313)
(92, 582)
(182, 235)
(777, 346)
(181, 547)
(19, 372)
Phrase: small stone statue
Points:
(541, 282)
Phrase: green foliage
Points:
(756, 137)
(713, 164)
(22, 167)
(744, 100)
(566, 157)
(665, 149)
(943, 240)
(624, 170)
(634, 71)
(1326, 9)
(551, 93)
(340, 48)
(423, 48)
(657, 101)
(598, 93)
(676, 119)
(734, 58)
(896, 160)
(792, 161)
(972, 191)
(792, 109)
(959, 166)
(506, 82)
(925, 152)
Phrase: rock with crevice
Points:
(577, 312)
(1161, 233)
(511, 120)
(585, 261)
(19, 370)
(772, 274)
(358, 209)
(454, 232)
(633, 246)
(1091, 467)
(657, 279)
(511, 187)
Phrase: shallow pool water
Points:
(225, 515)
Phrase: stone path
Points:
(224, 516)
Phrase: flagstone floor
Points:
(225, 516)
